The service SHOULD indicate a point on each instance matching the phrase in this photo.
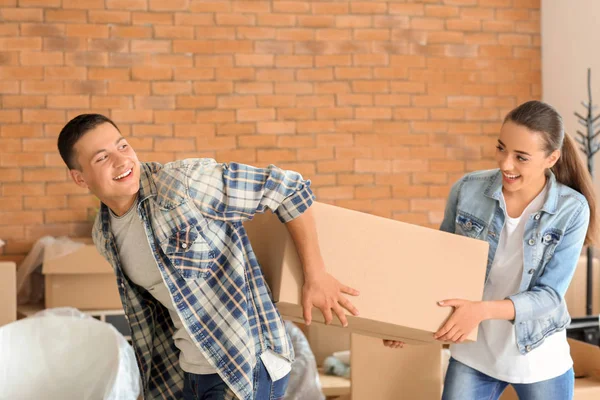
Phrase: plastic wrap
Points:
(63, 354)
(304, 381)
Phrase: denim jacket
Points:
(552, 244)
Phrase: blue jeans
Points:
(212, 387)
(465, 383)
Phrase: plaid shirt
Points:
(192, 212)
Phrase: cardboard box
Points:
(401, 270)
(8, 292)
(586, 360)
(576, 294)
(82, 279)
(381, 373)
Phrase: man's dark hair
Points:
(73, 131)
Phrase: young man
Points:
(202, 320)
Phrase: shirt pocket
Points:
(189, 253)
(468, 225)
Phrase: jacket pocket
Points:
(468, 225)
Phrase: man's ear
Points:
(77, 177)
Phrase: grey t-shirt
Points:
(141, 268)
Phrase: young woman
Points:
(536, 211)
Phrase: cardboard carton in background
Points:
(8, 292)
(576, 294)
(378, 372)
(401, 270)
(82, 279)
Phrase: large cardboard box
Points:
(381, 373)
(401, 270)
(576, 296)
(82, 279)
(8, 292)
(586, 360)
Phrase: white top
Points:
(495, 353)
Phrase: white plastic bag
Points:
(304, 381)
(63, 354)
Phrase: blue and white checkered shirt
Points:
(192, 212)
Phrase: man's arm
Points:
(320, 289)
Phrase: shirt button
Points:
(537, 216)
(547, 238)
(493, 234)
(531, 271)
(531, 242)
(468, 224)
(528, 348)
(184, 245)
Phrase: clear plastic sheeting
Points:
(304, 381)
(63, 354)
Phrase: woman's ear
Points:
(553, 158)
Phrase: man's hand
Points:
(466, 317)
(324, 292)
(393, 344)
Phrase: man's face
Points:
(109, 167)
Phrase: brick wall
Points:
(383, 104)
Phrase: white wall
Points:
(571, 44)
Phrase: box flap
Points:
(586, 359)
(84, 260)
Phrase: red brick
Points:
(254, 60)
(372, 166)
(131, 88)
(464, 24)
(168, 5)
(21, 14)
(315, 154)
(276, 127)
(274, 75)
(87, 31)
(23, 101)
(294, 7)
(333, 34)
(151, 46)
(353, 21)
(235, 19)
(127, 4)
(152, 18)
(276, 100)
(276, 20)
(174, 116)
(45, 175)
(215, 116)
(329, 8)
(131, 32)
(482, 115)
(498, 26)
(299, 61)
(296, 114)
(253, 87)
(429, 24)
(11, 30)
(153, 130)
(20, 43)
(441, 11)
(295, 88)
(167, 88)
(110, 17)
(151, 73)
(255, 114)
(154, 102)
(68, 101)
